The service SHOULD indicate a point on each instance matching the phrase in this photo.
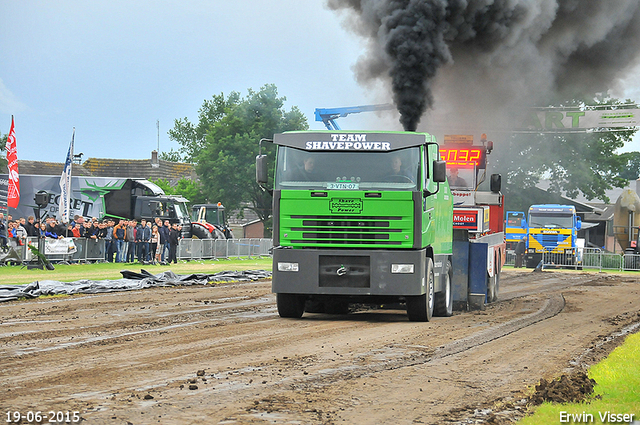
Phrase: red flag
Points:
(13, 197)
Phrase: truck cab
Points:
(552, 235)
(360, 217)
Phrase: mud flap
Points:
(460, 279)
(478, 275)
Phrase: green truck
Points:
(360, 217)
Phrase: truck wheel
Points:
(290, 305)
(420, 307)
(444, 298)
(314, 306)
(199, 232)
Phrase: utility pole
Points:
(158, 127)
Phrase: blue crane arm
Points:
(329, 115)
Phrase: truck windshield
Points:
(181, 210)
(514, 220)
(298, 169)
(551, 220)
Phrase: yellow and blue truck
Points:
(515, 228)
(552, 235)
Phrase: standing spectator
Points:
(53, 228)
(48, 233)
(174, 240)
(20, 232)
(32, 228)
(153, 245)
(3, 232)
(130, 237)
(101, 232)
(118, 237)
(108, 242)
(43, 230)
(520, 248)
(90, 231)
(75, 231)
(163, 230)
(143, 236)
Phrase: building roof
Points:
(48, 168)
(150, 169)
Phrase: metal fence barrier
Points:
(93, 250)
(587, 258)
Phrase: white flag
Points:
(65, 185)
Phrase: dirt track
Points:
(220, 354)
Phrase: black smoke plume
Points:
(491, 54)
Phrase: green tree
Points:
(631, 171)
(191, 137)
(586, 163)
(224, 144)
(172, 155)
(190, 189)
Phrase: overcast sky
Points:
(112, 68)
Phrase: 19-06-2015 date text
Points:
(38, 417)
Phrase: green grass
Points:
(16, 275)
(618, 383)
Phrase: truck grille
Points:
(343, 230)
(551, 242)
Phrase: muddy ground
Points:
(221, 354)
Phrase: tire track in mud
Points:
(387, 359)
(216, 314)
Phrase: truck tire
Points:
(217, 234)
(444, 299)
(420, 307)
(290, 305)
(199, 232)
(314, 306)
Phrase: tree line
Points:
(223, 144)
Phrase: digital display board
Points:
(462, 156)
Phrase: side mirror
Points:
(439, 171)
(496, 183)
(578, 223)
(261, 169)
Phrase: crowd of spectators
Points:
(125, 240)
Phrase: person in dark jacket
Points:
(143, 235)
(174, 240)
(33, 230)
(164, 229)
(520, 252)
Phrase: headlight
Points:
(287, 267)
(402, 268)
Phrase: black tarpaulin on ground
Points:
(130, 281)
